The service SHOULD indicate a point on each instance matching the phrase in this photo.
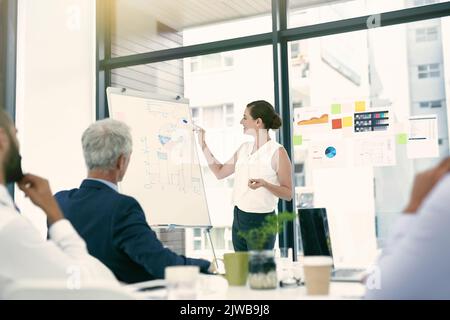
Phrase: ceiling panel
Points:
(182, 14)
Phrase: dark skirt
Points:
(245, 221)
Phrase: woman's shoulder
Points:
(245, 146)
(275, 145)
(277, 150)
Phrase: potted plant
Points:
(262, 268)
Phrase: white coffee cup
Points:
(182, 282)
(317, 271)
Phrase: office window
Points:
(197, 232)
(229, 109)
(215, 116)
(299, 58)
(221, 238)
(198, 239)
(428, 71)
(211, 61)
(436, 104)
(50, 46)
(295, 49)
(215, 61)
(299, 176)
(229, 114)
(217, 100)
(426, 34)
(212, 116)
(362, 56)
(195, 113)
(195, 64)
(227, 59)
(297, 104)
(338, 69)
(430, 104)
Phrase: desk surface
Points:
(338, 290)
(216, 288)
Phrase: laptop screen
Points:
(314, 231)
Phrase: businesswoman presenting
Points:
(262, 171)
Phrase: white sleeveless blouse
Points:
(255, 166)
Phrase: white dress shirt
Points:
(108, 183)
(416, 261)
(24, 254)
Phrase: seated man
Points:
(416, 261)
(24, 254)
(112, 224)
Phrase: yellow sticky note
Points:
(298, 140)
(335, 108)
(402, 138)
(360, 106)
(347, 122)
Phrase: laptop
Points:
(316, 241)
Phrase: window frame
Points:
(279, 38)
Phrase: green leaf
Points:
(272, 225)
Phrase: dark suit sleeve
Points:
(132, 234)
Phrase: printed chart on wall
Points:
(423, 137)
(375, 151)
(327, 154)
(164, 173)
(311, 122)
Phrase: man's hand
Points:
(424, 183)
(216, 266)
(256, 183)
(38, 190)
(212, 267)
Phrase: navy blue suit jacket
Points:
(116, 232)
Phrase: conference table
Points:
(338, 290)
(216, 288)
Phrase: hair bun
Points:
(276, 122)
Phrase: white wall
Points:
(55, 91)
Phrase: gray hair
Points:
(103, 143)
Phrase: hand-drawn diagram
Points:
(170, 163)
